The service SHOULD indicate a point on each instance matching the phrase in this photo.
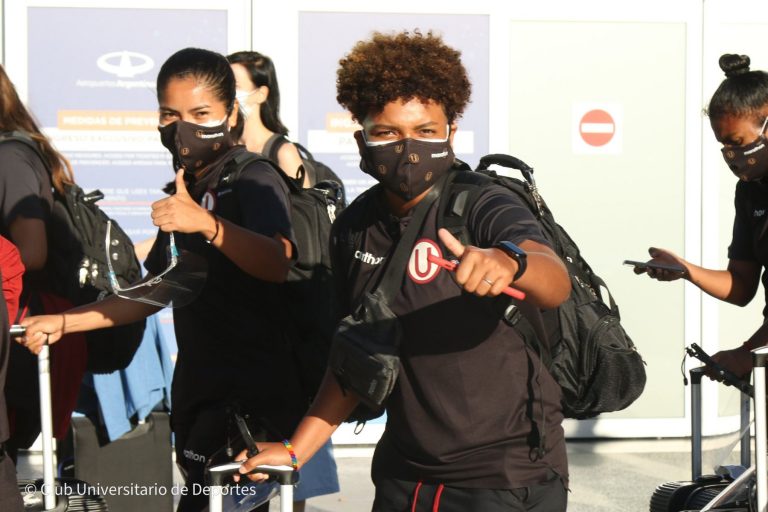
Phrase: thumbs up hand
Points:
(480, 271)
(181, 213)
(181, 185)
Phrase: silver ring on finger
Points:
(490, 283)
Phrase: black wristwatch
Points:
(516, 254)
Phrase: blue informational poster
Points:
(94, 91)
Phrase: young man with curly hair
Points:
(474, 420)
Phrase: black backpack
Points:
(588, 352)
(315, 170)
(309, 283)
(77, 265)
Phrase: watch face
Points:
(517, 254)
(512, 248)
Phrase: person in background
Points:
(241, 227)
(259, 96)
(738, 116)
(474, 421)
(26, 199)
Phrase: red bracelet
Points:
(294, 460)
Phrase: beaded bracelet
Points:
(215, 221)
(294, 460)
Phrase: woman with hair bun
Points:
(738, 115)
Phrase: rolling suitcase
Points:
(727, 491)
(49, 493)
(282, 477)
(140, 461)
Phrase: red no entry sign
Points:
(597, 127)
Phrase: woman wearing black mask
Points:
(738, 113)
(233, 330)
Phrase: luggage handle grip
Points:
(285, 475)
(694, 350)
(505, 161)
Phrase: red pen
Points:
(451, 267)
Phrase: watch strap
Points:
(517, 254)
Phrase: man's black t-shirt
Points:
(231, 338)
(750, 227)
(470, 395)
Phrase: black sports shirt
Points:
(470, 398)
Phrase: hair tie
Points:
(215, 221)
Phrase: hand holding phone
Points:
(645, 265)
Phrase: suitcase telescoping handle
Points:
(696, 424)
(508, 161)
(219, 475)
(696, 442)
(46, 426)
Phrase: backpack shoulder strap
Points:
(309, 164)
(304, 152)
(19, 136)
(349, 225)
(273, 145)
(272, 148)
(24, 138)
(234, 167)
(461, 192)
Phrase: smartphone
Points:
(250, 444)
(17, 330)
(642, 265)
(728, 378)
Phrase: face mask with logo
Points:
(242, 97)
(405, 167)
(750, 161)
(194, 146)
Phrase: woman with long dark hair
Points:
(259, 96)
(27, 181)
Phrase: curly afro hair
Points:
(402, 66)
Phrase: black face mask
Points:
(194, 146)
(406, 167)
(750, 161)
